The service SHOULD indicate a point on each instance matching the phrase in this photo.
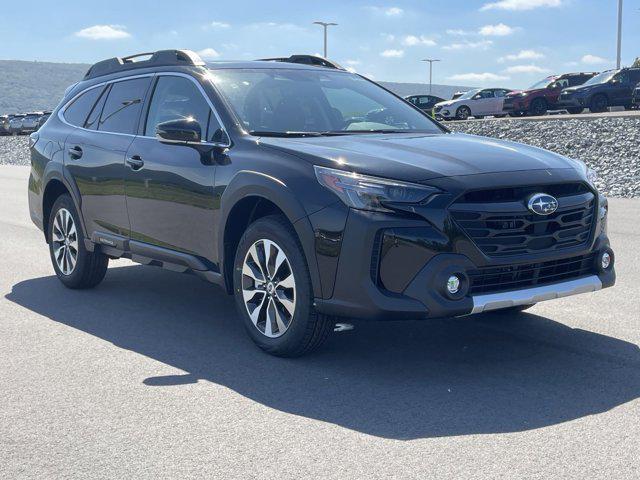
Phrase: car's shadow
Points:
(395, 380)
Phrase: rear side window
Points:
(92, 121)
(122, 109)
(77, 112)
(176, 98)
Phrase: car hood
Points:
(446, 103)
(517, 93)
(419, 157)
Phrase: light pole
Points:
(325, 25)
(430, 60)
(619, 58)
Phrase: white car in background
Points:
(478, 103)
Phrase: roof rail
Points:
(164, 58)
(306, 60)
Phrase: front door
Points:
(170, 187)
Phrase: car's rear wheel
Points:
(273, 290)
(599, 104)
(575, 110)
(463, 113)
(74, 265)
(538, 107)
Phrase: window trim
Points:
(133, 77)
(143, 126)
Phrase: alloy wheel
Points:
(64, 238)
(268, 288)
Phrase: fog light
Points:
(605, 260)
(453, 284)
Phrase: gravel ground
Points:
(609, 145)
(14, 150)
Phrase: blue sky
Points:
(509, 43)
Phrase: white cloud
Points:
(103, 32)
(216, 24)
(458, 32)
(392, 53)
(412, 40)
(593, 60)
(521, 4)
(499, 30)
(208, 54)
(522, 55)
(388, 37)
(477, 77)
(352, 62)
(393, 12)
(526, 69)
(482, 45)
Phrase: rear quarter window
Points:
(121, 111)
(78, 111)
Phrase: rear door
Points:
(170, 187)
(95, 152)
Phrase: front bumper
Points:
(572, 102)
(382, 267)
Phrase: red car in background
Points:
(543, 95)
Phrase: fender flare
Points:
(248, 183)
(57, 171)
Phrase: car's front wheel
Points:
(75, 266)
(273, 290)
(463, 113)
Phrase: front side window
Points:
(77, 112)
(289, 101)
(178, 98)
(121, 111)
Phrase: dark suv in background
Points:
(613, 88)
(544, 95)
(424, 102)
(636, 96)
(309, 193)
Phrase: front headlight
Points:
(370, 193)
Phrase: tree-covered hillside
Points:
(29, 86)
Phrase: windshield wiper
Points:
(268, 133)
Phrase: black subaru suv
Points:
(613, 88)
(309, 193)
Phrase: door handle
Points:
(75, 152)
(135, 162)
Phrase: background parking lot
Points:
(151, 375)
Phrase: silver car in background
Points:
(478, 103)
(30, 122)
(15, 124)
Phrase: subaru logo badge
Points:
(542, 204)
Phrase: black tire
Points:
(90, 267)
(575, 110)
(307, 329)
(516, 114)
(499, 116)
(463, 113)
(538, 107)
(599, 103)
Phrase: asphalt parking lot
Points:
(150, 375)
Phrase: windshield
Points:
(544, 83)
(600, 78)
(292, 101)
(469, 94)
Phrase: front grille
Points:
(506, 227)
(513, 277)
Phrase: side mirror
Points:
(183, 131)
(477, 97)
